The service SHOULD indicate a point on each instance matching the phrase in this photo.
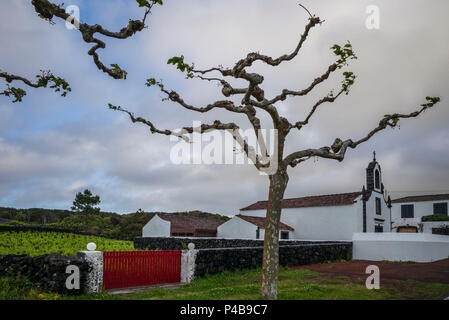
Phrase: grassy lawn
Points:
(294, 284)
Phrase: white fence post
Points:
(188, 264)
(95, 276)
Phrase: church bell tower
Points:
(374, 177)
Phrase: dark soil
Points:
(389, 271)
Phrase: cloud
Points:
(53, 147)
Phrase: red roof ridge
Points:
(324, 195)
(430, 197)
(186, 223)
(334, 199)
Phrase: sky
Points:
(53, 147)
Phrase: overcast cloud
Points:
(52, 147)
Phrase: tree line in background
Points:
(85, 217)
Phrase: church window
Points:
(378, 206)
(407, 211)
(440, 208)
(377, 180)
(378, 228)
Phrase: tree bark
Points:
(270, 265)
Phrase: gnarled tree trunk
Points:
(270, 265)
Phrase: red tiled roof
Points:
(260, 222)
(434, 197)
(188, 224)
(340, 199)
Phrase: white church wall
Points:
(318, 223)
(428, 226)
(371, 214)
(417, 247)
(156, 227)
(237, 228)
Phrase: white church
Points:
(324, 217)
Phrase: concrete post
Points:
(95, 276)
(188, 264)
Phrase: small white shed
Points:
(156, 227)
(249, 227)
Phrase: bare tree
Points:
(253, 100)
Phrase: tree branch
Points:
(44, 79)
(248, 110)
(48, 11)
(254, 56)
(330, 98)
(304, 92)
(338, 149)
(183, 134)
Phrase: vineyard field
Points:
(38, 243)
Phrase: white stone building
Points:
(249, 227)
(172, 225)
(334, 216)
(407, 212)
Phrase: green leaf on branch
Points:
(113, 107)
(344, 53)
(17, 93)
(348, 81)
(180, 65)
(153, 82)
(148, 4)
(431, 101)
(58, 83)
(119, 71)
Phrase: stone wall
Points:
(211, 261)
(172, 243)
(47, 271)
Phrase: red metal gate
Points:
(123, 269)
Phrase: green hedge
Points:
(435, 217)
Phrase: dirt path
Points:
(427, 272)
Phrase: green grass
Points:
(34, 243)
(294, 284)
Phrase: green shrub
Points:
(435, 217)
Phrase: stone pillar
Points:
(94, 281)
(188, 264)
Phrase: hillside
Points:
(108, 224)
